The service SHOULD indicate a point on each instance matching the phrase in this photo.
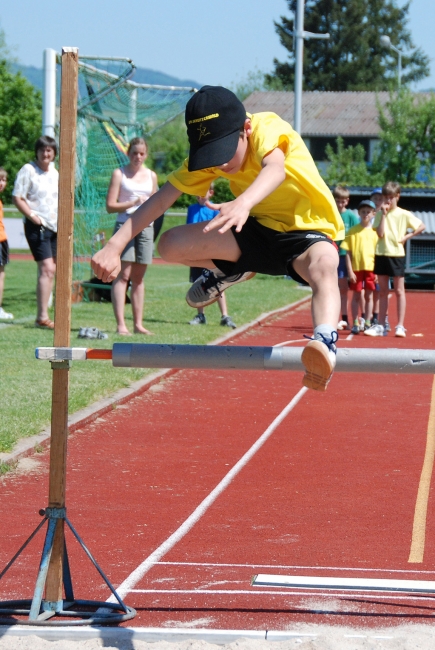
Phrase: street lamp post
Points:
(386, 42)
(299, 36)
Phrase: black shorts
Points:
(4, 253)
(42, 242)
(195, 273)
(270, 251)
(394, 267)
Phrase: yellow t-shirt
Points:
(303, 201)
(397, 222)
(361, 243)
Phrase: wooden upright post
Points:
(59, 413)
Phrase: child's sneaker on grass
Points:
(227, 321)
(199, 319)
(375, 330)
(342, 325)
(319, 358)
(400, 331)
(5, 315)
(210, 286)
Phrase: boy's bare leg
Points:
(399, 290)
(368, 309)
(384, 282)
(356, 301)
(318, 267)
(189, 245)
(222, 302)
(343, 286)
(119, 288)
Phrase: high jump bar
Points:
(144, 355)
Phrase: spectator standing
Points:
(360, 245)
(130, 186)
(36, 196)
(378, 199)
(4, 248)
(342, 195)
(196, 213)
(392, 224)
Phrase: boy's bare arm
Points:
(384, 209)
(351, 275)
(415, 232)
(106, 263)
(235, 213)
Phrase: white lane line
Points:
(293, 566)
(196, 515)
(314, 593)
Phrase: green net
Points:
(112, 109)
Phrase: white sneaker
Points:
(362, 324)
(375, 330)
(5, 315)
(342, 325)
(319, 359)
(400, 331)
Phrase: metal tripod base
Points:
(40, 611)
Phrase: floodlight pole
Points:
(49, 92)
(299, 36)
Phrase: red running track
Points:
(332, 491)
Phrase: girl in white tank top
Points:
(129, 187)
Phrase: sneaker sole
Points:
(213, 300)
(318, 367)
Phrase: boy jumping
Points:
(283, 220)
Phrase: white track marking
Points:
(276, 592)
(292, 566)
(196, 515)
(284, 343)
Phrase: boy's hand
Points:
(352, 277)
(233, 213)
(106, 264)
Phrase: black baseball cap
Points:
(214, 117)
(370, 204)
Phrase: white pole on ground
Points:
(49, 93)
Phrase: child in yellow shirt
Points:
(360, 245)
(283, 221)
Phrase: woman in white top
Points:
(129, 187)
(36, 196)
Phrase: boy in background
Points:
(4, 248)
(378, 199)
(196, 213)
(341, 195)
(360, 245)
(391, 224)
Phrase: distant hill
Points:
(141, 75)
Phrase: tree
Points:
(353, 58)
(406, 152)
(347, 165)
(20, 122)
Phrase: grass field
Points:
(25, 384)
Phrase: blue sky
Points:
(209, 42)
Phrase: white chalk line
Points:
(292, 566)
(136, 575)
(289, 592)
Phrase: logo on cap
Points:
(202, 131)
